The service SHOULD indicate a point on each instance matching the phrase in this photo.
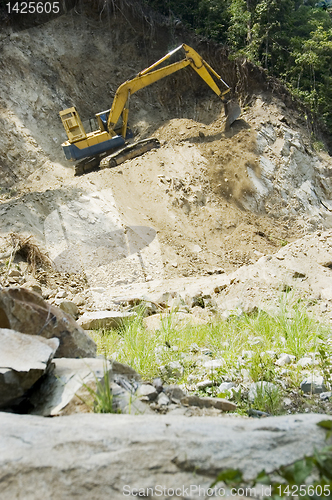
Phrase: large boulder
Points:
(23, 360)
(108, 456)
(27, 312)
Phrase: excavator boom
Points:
(151, 75)
(82, 145)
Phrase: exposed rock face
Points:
(303, 266)
(73, 384)
(69, 308)
(23, 360)
(291, 176)
(97, 456)
(28, 312)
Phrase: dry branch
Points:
(30, 252)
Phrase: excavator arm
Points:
(81, 144)
(151, 75)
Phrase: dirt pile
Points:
(207, 201)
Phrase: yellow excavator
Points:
(93, 145)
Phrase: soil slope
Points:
(208, 200)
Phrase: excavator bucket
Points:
(232, 112)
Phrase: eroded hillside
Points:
(207, 201)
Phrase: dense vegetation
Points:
(291, 39)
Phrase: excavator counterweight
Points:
(95, 144)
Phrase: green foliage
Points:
(326, 424)
(231, 477)
(292, 39)
(239, 33)
(318, 146)
(300, 333)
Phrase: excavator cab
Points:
(82, 145)
(72, 125)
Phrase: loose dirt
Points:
(189, 208)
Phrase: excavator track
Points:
(87, 165)
(129, 152)
(116, 158)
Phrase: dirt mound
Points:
(206, 200)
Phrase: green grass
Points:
(243, 342)
(247, 345)
(268, 399)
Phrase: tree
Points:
(239, 31)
